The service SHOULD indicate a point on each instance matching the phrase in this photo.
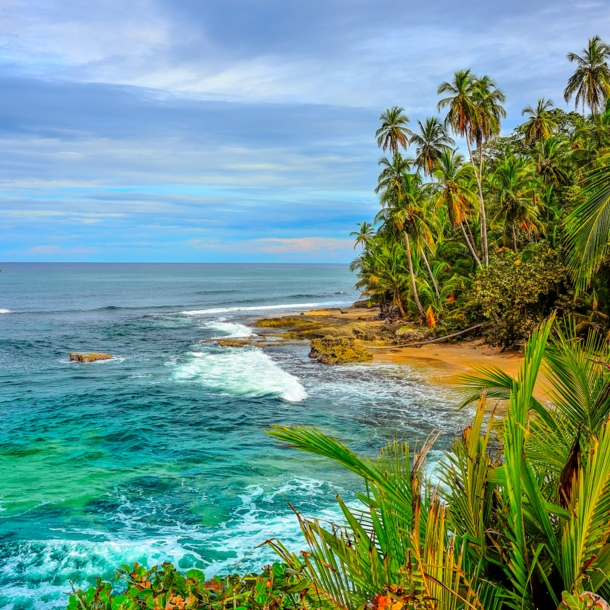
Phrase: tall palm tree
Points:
(392, 170)
(454, 192)
(364, 234)
(552, 156)
(405, 214)
(393, 132)
(539, 125)
(514, 182)
(489, 114)
(474, 113)
(590, 83)
(430, 142)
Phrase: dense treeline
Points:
(514, 228)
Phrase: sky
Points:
(237, 130)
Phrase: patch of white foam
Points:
(241, 371)
(201, 312)
(229, 329)
(5, 311)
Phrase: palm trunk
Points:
(514, 237)
(398, 300)
(432, 279)
(470, 246)
(483, 215)
(422, 315)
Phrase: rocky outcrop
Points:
(409, 334)
(338, 350)
(364, 304)
(89, 357)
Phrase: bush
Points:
(516, 292)
(163, 587)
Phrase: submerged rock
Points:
(338, 350)
(89, 357)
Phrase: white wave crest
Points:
(229, 329)
(241, 371)
(201, 312)
(5, 311)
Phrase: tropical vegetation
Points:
(515, 516)
(459, 231)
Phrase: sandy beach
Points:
(444, 362)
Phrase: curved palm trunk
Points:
(432, 278)
(398, 300)
(470, 246)
(514, 237)
(483, 215)
(420, 309)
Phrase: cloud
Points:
(302, 245)
(156, 130)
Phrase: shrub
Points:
(516, 292)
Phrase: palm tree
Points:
(461, 109)
(390, 177)
(404, 213)
(588, 226)
(515, 184)
(393, 131)
(552, 161)
(474, 113)
(539, 125)
(489, 113)
(590, 83)
(454, 192)
(364, 234)
(432, 140)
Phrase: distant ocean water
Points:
(161, 453)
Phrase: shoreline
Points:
(444, 362)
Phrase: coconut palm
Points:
(393, 132)
(552, 161)
(590, 83)
(488, 100)
(461, 110)
(392, 170)
(539, 125)
(430, 142)
(588, 226)
(514, 182)
(405, 214)
(364, 234)
(454, 192)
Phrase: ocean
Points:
(161, 453)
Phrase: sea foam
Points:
(242, 371)
(202, 312)
(229, 329)
(5, 311)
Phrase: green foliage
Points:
(163, 587)
(520, 290)
(546, 182)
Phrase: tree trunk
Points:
(398, 300)
(432, 279)
(514, 237)
(470, 246)
(483, 215)
(422, 314)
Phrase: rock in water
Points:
(89, 357)
(338, 350)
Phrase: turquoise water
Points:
(161, 453)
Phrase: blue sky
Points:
(236, 130)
